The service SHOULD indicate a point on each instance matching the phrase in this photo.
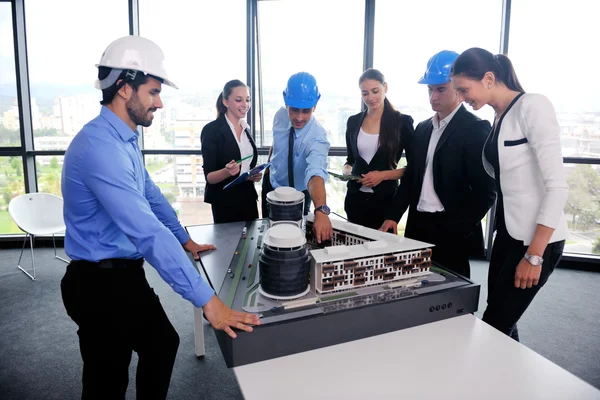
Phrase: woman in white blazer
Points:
(523, 154)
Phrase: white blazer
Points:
(532, 176)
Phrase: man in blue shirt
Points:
(116, 216)
(295, 127)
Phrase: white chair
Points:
(37, 214)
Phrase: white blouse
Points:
(367, 144)
(244, 144)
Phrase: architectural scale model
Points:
(355, 257)
(310, 296)
(360, 256)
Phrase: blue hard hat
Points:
(438, 68)
(301, 91)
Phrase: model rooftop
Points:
(376, 243)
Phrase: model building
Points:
(358, 256)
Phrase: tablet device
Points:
(345, 177)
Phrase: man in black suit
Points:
(445, 186)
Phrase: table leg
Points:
(199, 331)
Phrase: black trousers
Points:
(240, 211)
(506, 303)
(451, 250)
(118, 312)
(366, 209)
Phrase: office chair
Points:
(37, 214)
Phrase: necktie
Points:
(291, 158)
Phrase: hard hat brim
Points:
(164, 80)
(430, 80)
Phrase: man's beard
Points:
(137, 112)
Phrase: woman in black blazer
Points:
(225, 141)
(375, 140)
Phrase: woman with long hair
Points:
(523, 154)
(375, 140)
(229, 150)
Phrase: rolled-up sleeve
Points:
(162, 209)
(316, 160)
(543, 133)
(114, 185)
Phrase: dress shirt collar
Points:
(305, 128)
(444, 122)
(120, 126)
(242, 122)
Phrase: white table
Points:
(457, 358)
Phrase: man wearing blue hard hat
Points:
(300, 149)
(445, 187)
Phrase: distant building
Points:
(187, 127)
(343, 114)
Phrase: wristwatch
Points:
(534, 260)
(324, 209)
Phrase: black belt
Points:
(111, 263)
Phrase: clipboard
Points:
(244, 177)
(345, 177)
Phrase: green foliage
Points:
(596, 246)
(584, 197)
(9, 137)
(46, 132)
(171, 197)
(14, 162)
(49, 180)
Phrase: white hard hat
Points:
(133, 53)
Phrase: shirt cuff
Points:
(547, 220)
(182, 236)
(202, 294)
(316, 172)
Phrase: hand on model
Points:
(389, 224)
(322, 227)
(224, 318)
(196, 248)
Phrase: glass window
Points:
(49, 171)
(559, 63)
(335, 188)
(205, 47)
(62, 63)
(583, 208)
(407, 34)
(181, 180)
(324, 38)
(12, 184)
(9, 107)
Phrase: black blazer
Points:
(218, 148)
(380, 159)
(464, 188)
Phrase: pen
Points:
(245, 158)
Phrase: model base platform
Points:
(314, 321)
